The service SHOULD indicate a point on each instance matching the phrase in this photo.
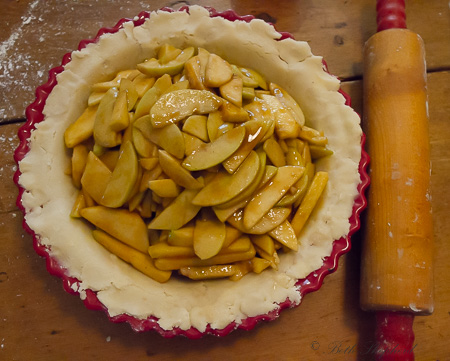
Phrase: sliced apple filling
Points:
(192, 164)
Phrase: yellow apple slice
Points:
(122, 179)
(267, 197)
(174, 106)
(124, 74)
(209, 235)
(167, 53)
(109, 158)
(208, 272)
(309, 202)
(79, 157)
(191, 143)
(274, 152)
(81, 129)
(259, 264)
(149, 163)
(104, 135)
(215, 152)
(172, 167)
(288, 102)
(213, 123)
(78, 205)
(95, 177)
(285, 234)
(178, 213)
(224, 186)
(255, 76)
(164, 187)
(182, 237)
(161, 250)
(95, 98)
(247, 81)
(142, 145)
(263, 241)
(254, 133)
(152, 95)
(119, 117)
(232, 91)
(170, 137)
(234, 114)
(196, 125)
(127, 86)
(142, 83)
(142, 262)
(128, 227)
(218, 71)
(153, 67)
(285, 124)
(273, 218)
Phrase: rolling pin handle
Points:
(391, 14)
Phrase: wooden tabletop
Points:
(40, 321)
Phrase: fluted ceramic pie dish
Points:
(180, 307)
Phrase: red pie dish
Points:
(181, 306)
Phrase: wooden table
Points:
(40, 321)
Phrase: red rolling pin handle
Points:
(391, 14)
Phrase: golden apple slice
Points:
(178, 213)
(182, 237)
(285, 234)
(78, 205)
(149, 163)
(142, 83)
(127, 86)
(142, 262)
(254, 133)
(273, 218)
(79, 158)
(288, 102)
(285, 124)
(215, 152)
(164, 187)
(95, 98)
(218, 71)
(104, 135)
(267, 197)
(161, 250)
(274, 152)
(248, 93)
(128, 227)
(213, 123)
(232, 91)
(208, 272)
(109, 158)
(167, 53)
(263, 241)
(191, 143)
(255, 76)
(119, 117)
(174, 106)
(247, 81)
(122, 179)
(309, 202)
(259, 264)
(153, 67)
(95, 177)
(234, 114)
(209, 235)
(143, 146)
(172, 167)
(124, 74)
(196, 125)
(152, 95)
(193, 73)
(170, 137)
(81, 129)
(224, 186)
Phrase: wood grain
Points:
(40, 321)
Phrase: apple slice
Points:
(153, 67)
(104, 135)
(81, 129)
(213, 123)
(119, 117)
(232, 91)
(178, 213)
(218, 71)
(127, 86)
(152, 95)
(285, 234)
(164, 187)
(128, 227)
(142, 83)
(255, 130)
(255, 76)
(142, 262)
(167, 53)
(196, 125)
(174, 106)
(234, 114)
(79, 157)
(209, 235)
(285, 124)
(288, 102)
(95, 177)
(130, 74)
(170, 137)
(191, 143)
(176, 172)
(224, 186)
(267, 197)
(273, 218)
(182, 237)
(122, 179)
(215, 152)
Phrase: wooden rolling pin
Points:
(397, 257)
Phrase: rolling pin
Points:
(397, 254)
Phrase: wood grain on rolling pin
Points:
(397, 273)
